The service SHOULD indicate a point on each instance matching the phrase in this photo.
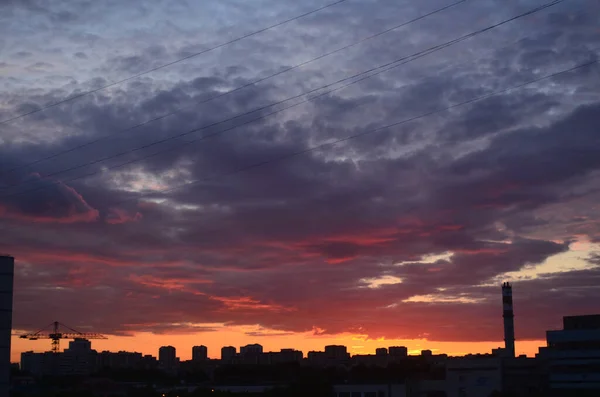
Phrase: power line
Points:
(233, 90)
(379, 129)
(68, 99)
(378, 70)
(347, 138)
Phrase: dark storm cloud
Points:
(297, 244)
(57, 204)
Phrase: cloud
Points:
(118, 216)
(426, 214)
(56, 204)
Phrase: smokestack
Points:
(509, 322)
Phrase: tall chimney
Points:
(509, 322)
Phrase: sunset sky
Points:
(399, 236)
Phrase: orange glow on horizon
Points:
(148, 343)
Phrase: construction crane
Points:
(55, 335)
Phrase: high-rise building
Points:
(79, 358)
(509, 322)
(199, 353)
(398, 351)
(381, 351)
(251, 349)
(7, 269)
(167, 357)
(228, 353)
(336, 352)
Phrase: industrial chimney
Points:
(509, 322)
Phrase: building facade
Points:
(473, 376)
(7, 269)
(572, 356)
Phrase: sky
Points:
(222, 220)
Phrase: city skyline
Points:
(390, 372)
(170, 352)
(184, 350)
(298, 174)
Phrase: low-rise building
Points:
(473, 376)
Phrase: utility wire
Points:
(347, 138)
(66, 151)
(376, 70)
(68, 99)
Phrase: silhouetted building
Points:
(398, 351)
(77, 360)
(508, 316)
(149, 362)
(167, 358)
(286, 356)
(371, 360)
(7, 268)
(336, 352)
(40, 364)
(522, 377)
(252, 354)
(120, 360)
(228, 353)
(333, 355)
(251, 349)
(199, 353)
(382, 351)
(426, 353)
(572, 356)
(476, 375)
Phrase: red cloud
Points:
(248, 303)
